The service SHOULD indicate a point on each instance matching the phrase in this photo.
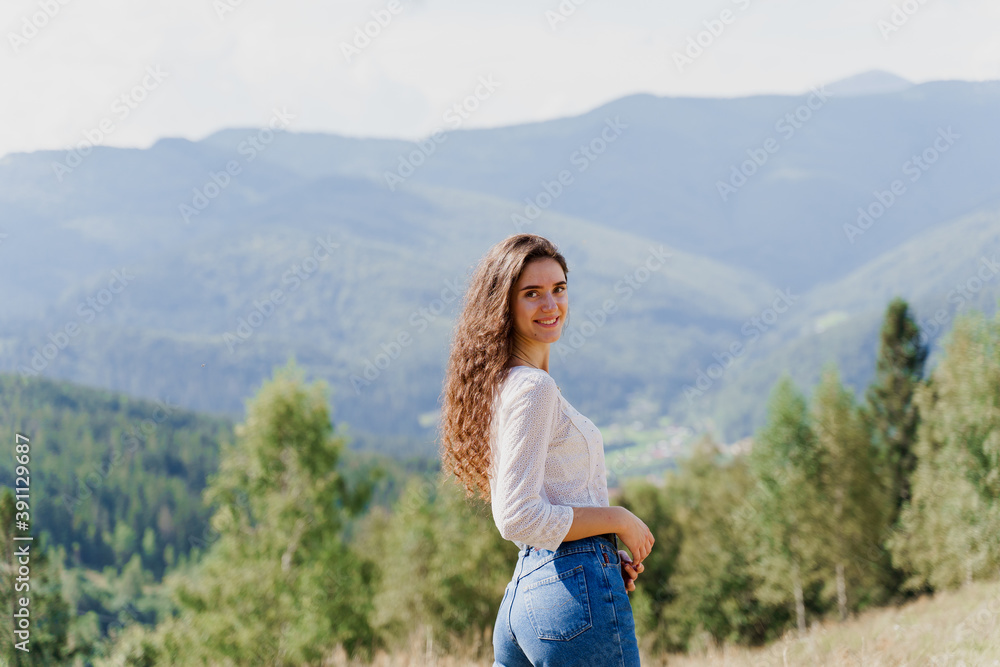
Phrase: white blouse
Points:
(546, 459)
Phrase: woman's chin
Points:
(552, 336)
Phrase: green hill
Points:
(943, 272)
(113, 475)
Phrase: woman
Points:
(507, 432)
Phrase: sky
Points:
(126, 73)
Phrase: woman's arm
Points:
(525, 428)
(633, 532)
(589, 521)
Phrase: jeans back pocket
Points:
(558, 606)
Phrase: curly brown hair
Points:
(482, 344)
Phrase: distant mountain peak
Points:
(875, 82)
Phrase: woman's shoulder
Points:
(527, 372)
(528, 379)
(526, 391)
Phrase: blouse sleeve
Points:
(524, 432)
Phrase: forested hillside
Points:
(117, 501)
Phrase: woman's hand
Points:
(636, 536)
(629, 571)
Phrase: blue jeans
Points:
(566, 607)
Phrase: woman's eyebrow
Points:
(555, 284)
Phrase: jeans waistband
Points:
(611, 537)
(531, 558)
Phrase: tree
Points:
(787, 468)
(443, 567)
(950, 530)
(48, 612)
(278, 584)
(713, 582)
(655, 589)
(890, 407)
(857, 502)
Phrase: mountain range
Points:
(779, 226)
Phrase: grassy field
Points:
(954, 628)
(951, 629)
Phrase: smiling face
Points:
(539, 303)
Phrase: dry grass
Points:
(951, 629)
(955, 628)
(421, 652)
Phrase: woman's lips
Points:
(554, 322)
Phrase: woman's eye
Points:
(533, 293)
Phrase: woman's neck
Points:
(536, 356)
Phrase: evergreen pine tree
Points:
(787, 468)
(655, 589)
(713, 583)
(48, 612)
(442, 570)
(277, 585)
(950, 530)
(857, 502)
(890, 407)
